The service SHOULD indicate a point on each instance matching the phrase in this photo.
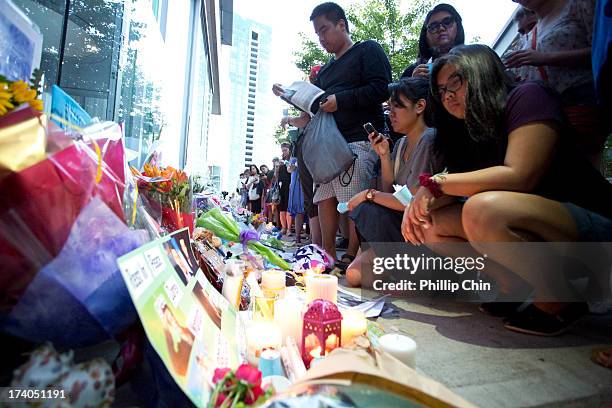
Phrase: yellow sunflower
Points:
(22, 92)
(36, 104)
(5, 98)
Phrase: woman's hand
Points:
(417, 216)
(356, 200)
(421, 71)
(379, 143)
(526, 57)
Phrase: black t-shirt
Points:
(359, 79)
(570, 177)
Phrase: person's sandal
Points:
(342, 264)
(537, 322)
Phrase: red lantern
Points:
(321, 330)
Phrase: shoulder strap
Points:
(398, 157)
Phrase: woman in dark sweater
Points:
(510, 152)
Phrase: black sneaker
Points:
(499, 309)
(539, 323)
(342, 243)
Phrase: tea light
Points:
(322, 287)
(288, 316)
(399, 346)
(273, 282)
(262, 336)
(354, 324)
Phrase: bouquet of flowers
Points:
(16, 93)
(240, 388)
(226, 228)
(168, 192)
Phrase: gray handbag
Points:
(324, 149)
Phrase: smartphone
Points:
(369, 128)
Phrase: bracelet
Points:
(426, 180)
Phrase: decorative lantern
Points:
(322, 329)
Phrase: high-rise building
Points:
(244, 134)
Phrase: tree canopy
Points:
(379, 20)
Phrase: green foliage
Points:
(281, 135)
(379, 20)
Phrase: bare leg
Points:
(353, 245)
(299, 222)
(501, 216)
(289, 222)
(328, 219)
(344, 225)
(448, 228)
(315, 230)
(283, 221)
(353, 272)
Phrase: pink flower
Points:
(220, 374)
(249, 374)
(254, 394)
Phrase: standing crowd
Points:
(493, 149)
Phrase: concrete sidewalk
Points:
(473, 355)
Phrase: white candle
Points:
(288, 316)
(232, 282)
(273, 282)
(261, 336)
(322, 287)
(401, 347)
(354, 324)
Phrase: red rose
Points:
(249, 374)
(220, 374)
(220, 398)
(253, 394)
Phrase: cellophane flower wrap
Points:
(226, 228)
(168, 192)
(71, 190)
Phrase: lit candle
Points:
(273, 282)
(354, 324)
(288, 316)
(401, 347)
(261, 336)
(232, 282)
(322, 287)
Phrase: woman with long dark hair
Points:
(378, 214)
(509, 151)
(441, 31)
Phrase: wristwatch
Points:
(370, 194)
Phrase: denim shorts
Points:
(592, 227)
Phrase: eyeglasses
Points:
(435, 26)
(454, 83)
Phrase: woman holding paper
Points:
(378, 214)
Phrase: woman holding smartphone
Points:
(378, 214)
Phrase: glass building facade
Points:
(141, 63)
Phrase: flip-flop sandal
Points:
(602, 356)
(342, 264)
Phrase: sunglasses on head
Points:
(435, 26)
